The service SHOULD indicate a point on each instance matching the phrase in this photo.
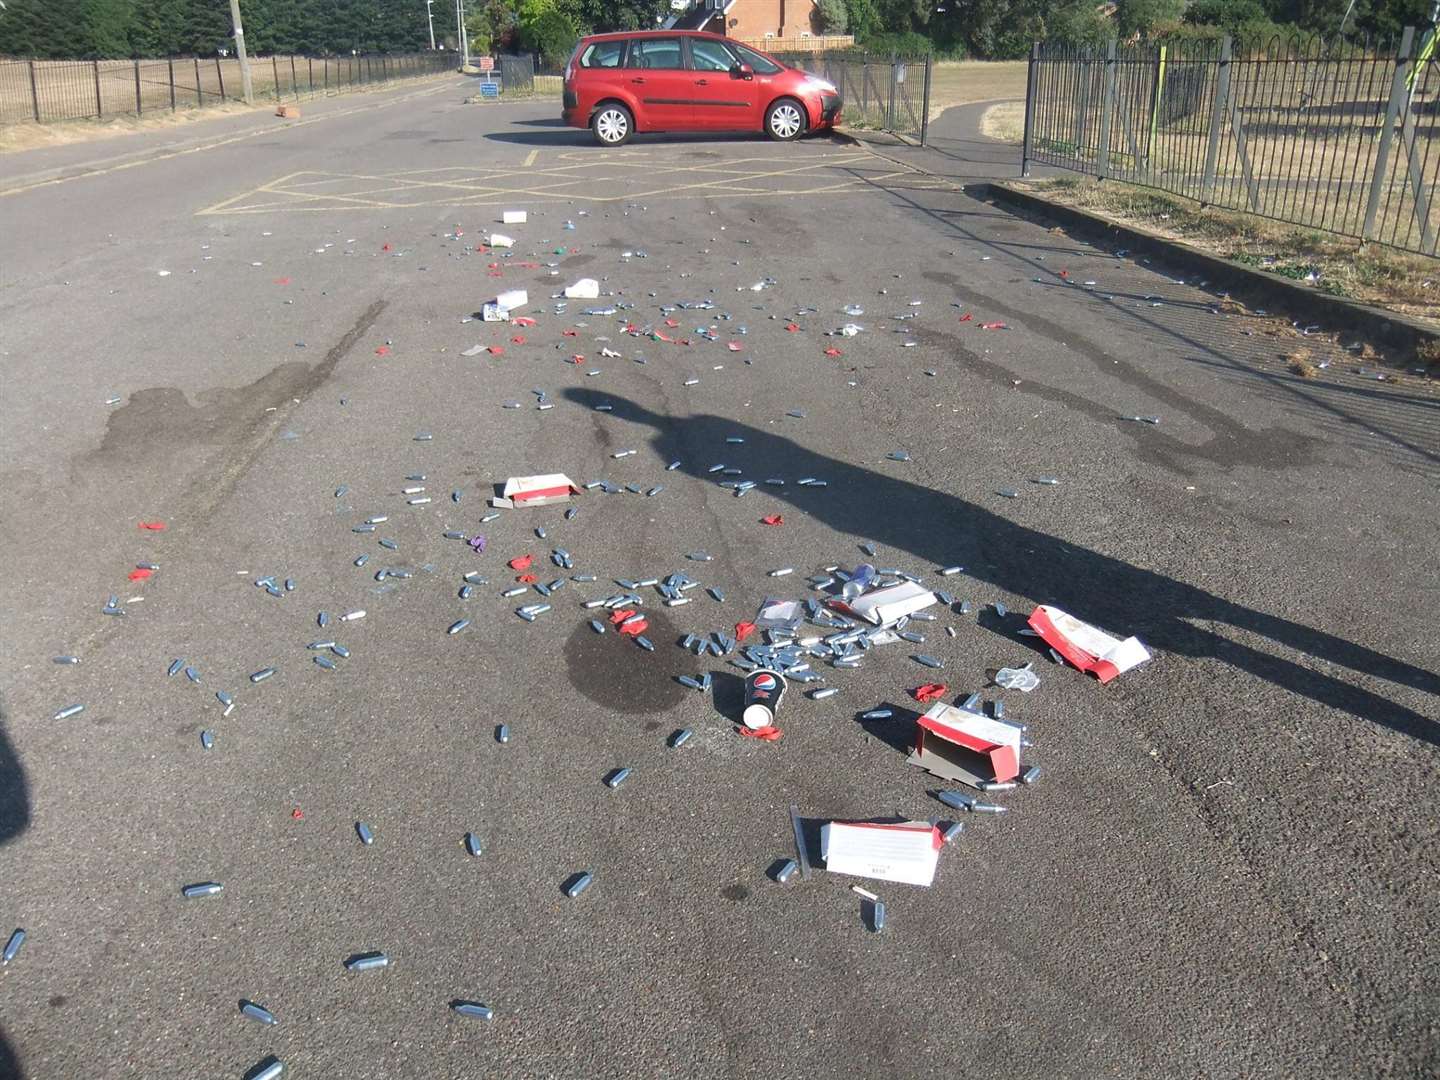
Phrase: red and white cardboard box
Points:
(957, 744)
(536, 490)
(906, 852)
(1088, 648)
(882, 606)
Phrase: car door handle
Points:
(702, 82)
(637, 80)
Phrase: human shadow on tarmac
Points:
(14, 819)
(944, 530)
(14, 791)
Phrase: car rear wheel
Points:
(612, 124)
(785, 120)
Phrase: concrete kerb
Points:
(875, 138)
(1255, 287)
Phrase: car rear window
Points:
(661, 53)
(602, 54)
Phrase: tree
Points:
(862, 18)
(1241, 18)
(105, 26)
(546, 30)
(900, 16)
(994, 29)
(1144, 17)
(833, 16)
(1079, 23)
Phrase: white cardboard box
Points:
(499, 309)
(585, 289)
(906, 851)
(513, 217)
(536, 490)
(500, 240)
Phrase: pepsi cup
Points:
(763, 691)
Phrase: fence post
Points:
(34, 93)
(925, 102)
(1156, 94)
(1217, 107)
(1398, 97)
(890, 103)
(170, 63)
(1081, 114)
(1414, 165)
(294, 79)
(137, 87)
(275, 72)
(199, 94)
(1107, 112)
(310, 74)
(99, 105)
(1027, 144)
(220, 77)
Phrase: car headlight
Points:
(823, 85)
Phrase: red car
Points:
(686, 80)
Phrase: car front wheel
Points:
(785, 120)
(612, 124)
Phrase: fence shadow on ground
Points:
(942, 529)
(1406, 424)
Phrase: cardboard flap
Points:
(974, 749)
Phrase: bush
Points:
(1229, 15)
(862, 18)
(1145, 17)
(1077, 24)
(552, 35)
(907, 44)
(834, 16)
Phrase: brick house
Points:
(752, 20)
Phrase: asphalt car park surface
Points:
(1228, 868)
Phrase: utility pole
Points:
(460, 32)
(430, 15)
(247, 90)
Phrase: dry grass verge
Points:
(15, 138)
(1004, 122)
(1409, 284)
(964, 82)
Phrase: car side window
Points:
(655, 53)
(707, 55)
(603, 54)
(762, 65)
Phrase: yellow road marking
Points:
(471, 186)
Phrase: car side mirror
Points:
(742, 71)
